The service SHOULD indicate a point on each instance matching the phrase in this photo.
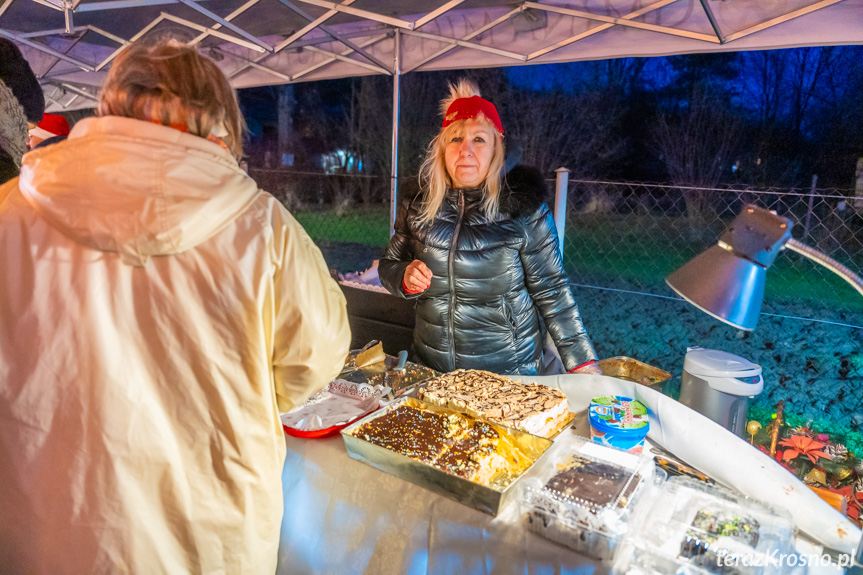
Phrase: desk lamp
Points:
(727, 280)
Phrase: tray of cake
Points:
(533, 408)
(373, 367)
(470, 460)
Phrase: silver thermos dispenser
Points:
(719, 385)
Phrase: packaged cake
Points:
(702, 529)
(585, 496)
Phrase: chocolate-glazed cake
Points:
(456, 444)
(595, 483)
(715, 532)
(584, 505)
(420, 435)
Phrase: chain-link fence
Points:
(623, 239)
(346, 214)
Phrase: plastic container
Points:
(619, 422)
(584, 496)
(700, 529)
(719, 385)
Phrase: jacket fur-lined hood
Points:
(523, 192)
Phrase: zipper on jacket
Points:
(450, 270)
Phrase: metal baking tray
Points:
(486, 499)
(631, 369)
(375, 373)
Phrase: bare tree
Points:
(369, 122)
(554, 129)
(696, 142)
(785, 94)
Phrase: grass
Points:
(370, 226)
(631, 251)
(625, 251)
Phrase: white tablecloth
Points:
(343, 516)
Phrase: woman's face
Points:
(468, 154)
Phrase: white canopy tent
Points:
(71, 43)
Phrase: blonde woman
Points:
(479, 254)
(158, 311)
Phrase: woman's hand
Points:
(591, 369)
(417, 277)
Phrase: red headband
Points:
(467, 108)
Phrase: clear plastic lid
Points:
(584, 495)
(701, 529)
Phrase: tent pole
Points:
(394, 174)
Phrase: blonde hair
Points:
(434, 178)
(171, 83)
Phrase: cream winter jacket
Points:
(156, 312)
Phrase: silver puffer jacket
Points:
(495, 282)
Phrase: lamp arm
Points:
(852, 279)
(827, 262)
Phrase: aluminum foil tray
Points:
(376, 373)
(486, 499)
(631, 369)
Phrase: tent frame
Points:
(358, 43)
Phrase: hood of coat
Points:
(135, 188)
(524, 191)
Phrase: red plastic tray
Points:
(327, 431)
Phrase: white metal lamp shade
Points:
(727, 280)
(722, 284)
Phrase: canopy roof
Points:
(71, 43)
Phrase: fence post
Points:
(808, 222)
(561, 186)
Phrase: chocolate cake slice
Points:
(595, 483)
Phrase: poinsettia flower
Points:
(802, 445)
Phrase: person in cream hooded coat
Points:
(157, 311)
